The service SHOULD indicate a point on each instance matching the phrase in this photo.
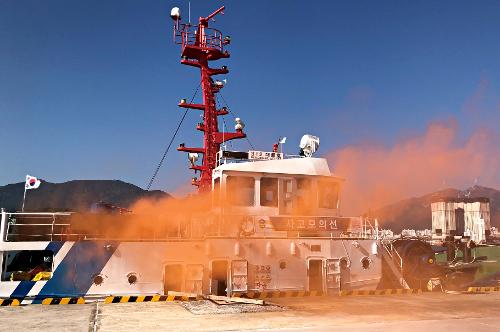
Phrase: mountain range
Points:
(79, 195)
(415, 212)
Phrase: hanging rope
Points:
(234, 116)
(171, 140)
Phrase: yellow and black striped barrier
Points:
(277, 294)
(483, 289)
(149, 298)
(176, 296)
(63, 300)
(280, 294)
(9, 302)
(380, 292)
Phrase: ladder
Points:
(394, 261)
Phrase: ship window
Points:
(269, 192)
(287, 197)
(315, 247)
(240, 190)
(21, 265)
(216, 192)
(303, 197)
(328, 194)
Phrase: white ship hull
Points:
(195, 266)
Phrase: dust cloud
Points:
(198, 215)
(375, 176)
(439, 158)
(150, 219)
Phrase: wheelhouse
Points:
(289, 187)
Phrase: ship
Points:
(271, 223)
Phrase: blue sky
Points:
(88, 89)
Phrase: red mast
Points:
(201, 44)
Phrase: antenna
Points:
(189, 12)
(201, 45)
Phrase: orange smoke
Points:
(151, 219)
(438, 159)
(188, 217)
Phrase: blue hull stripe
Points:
(74, 275)
(55, 247)
(24, 287)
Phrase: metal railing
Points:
(35, 226)
(188, 35)
(395, 261)
(222, 160)
(394, 254)
(18, 227)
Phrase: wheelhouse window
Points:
(216, 192)
(240, 190)
(328, 192)
(22, 265)
(269, 192)
(287, 195)
(303, 197)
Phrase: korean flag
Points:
(32, 182)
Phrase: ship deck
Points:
(477, 312)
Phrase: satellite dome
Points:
(309, 144)
(175, 14)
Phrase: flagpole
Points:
(24, 198)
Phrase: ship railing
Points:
(34, 226)
(18, 227)
(394, 261)
(393, 254)
(21, 227)
(222, 160)
(369, 230)
(187, 35)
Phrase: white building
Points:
(461, 217)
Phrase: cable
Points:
(171, 140)
(227, 106)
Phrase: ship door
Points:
(460, 221)
(173, 277)
(315, 274)
(239, 276)
(345, 273)
(218, 282)
(333, 276)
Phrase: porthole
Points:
(132, 278)
(282, 265)
(343, 263)
(366, 262)
(98, 279)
